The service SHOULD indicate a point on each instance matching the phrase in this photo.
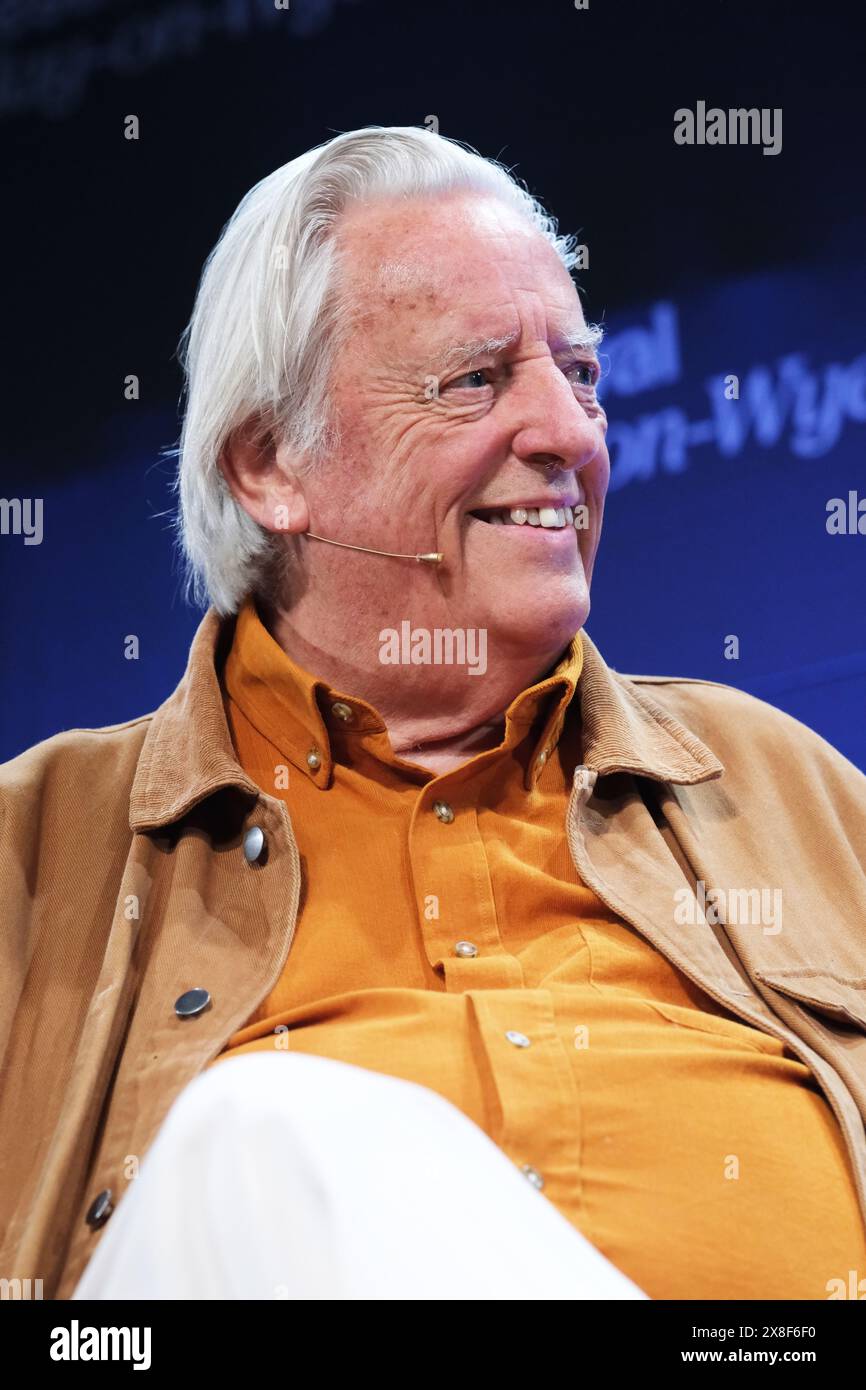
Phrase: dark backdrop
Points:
(704, 262)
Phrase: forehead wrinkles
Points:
(406, 287)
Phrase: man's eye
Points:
(471, 379)
(584, 373)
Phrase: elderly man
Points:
(408, 950)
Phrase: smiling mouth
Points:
(542, 518)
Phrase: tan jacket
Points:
(123, 884)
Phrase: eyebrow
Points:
(586, 338)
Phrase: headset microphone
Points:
(433, 557)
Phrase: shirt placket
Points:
(514, 1028)
(454, 893)
(531, 1074)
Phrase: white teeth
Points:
(551, 518)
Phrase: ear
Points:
(263, 478)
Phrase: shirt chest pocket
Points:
(732, 1030)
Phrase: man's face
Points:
(434, 430)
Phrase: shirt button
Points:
(100, 1209)
(313, 759)
(443, 811)
(518, 1039)
(254, 844)
(541, 759)
(193, 1003)
(532, 1175)
(342, 710)
(465, 948)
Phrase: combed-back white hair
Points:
(267, 318)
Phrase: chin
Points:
(539, 627)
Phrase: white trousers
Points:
(296, 1176)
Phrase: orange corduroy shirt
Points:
(696, 1152)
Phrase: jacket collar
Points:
(624, 730)
(188, 754)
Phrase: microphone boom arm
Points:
(433, 557)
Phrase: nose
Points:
(554, 428)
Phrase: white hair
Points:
(267, 318)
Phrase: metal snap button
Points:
(100, 1209)
(192, 1003)
(254, 844)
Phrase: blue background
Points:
(758, 260)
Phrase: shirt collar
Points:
(188, 754)
(299, 713)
